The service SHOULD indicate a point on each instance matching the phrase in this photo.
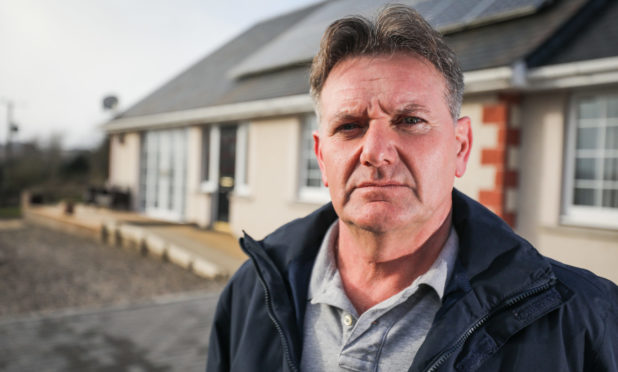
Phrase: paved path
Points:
(168, 335)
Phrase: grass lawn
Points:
(10, 212)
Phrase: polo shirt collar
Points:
(326, 286)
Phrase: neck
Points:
(374, 267)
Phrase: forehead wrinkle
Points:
(412, 107)
(352, 110)
(346, 116)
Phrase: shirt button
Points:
(348, 320)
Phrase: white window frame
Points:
(578, 215)
(164, 198)
(241, 184)
(310, 194)
(210, 184)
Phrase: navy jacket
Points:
(506, 307)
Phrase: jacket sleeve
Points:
(218, 358)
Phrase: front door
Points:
(163, 173)
(227, 171)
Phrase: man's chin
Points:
(376, 216)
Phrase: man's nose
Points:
(378, 146)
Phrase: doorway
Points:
(226, 175)
(163, 173)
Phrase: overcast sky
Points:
(59, 58)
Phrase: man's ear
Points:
(318, 154)
(463, 135)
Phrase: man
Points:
(402, 272)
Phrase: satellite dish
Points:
(110, 102)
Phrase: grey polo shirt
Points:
(387, 336)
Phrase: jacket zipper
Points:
(273, 318)
(439, 361)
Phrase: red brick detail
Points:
(495, 114)
(491, 198)
(511, 178)
(513, 137)
(506, 179)
(499, 179)
(493, 157)
(496, 157)
(510, 98)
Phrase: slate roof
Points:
(272, 58)
(598, 40)
(503, 43)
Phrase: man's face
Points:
(387, 145)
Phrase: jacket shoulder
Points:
(585, 284)
(242, 281)
(592, 310)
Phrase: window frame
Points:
(310, 194)
(208, 182)
(580, 215)
(241, 177)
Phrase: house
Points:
(227, 143)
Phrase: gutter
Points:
(520, 78)
(488, 80)
(575, 74)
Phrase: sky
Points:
(59, 58)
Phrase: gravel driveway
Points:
(42, 270)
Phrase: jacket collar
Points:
(285, 259)
(494, 265)
(494, 260)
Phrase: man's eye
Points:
(348, 127)
(411, 120)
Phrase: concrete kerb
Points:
(115, 232)
(43, 218)
(179, 256)
(109, 232)
(131, 236)
(206, 269)
(154, 245)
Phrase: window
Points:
(592, 164)
(311, 187)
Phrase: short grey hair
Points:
(396, 29)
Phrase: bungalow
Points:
(227, 143)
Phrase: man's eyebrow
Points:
(412, 108)
(344, 116)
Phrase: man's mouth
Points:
(379, 184)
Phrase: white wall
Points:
(124, 163)
(198, 205)
(541, 182)
(273, 179)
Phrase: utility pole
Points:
(11, 129)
